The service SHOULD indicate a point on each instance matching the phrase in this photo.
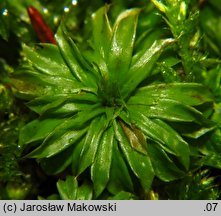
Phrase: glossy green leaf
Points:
(29, 86)
(217, 113)
(38, 104)
(85, 191)
(162, 133)
(68, 109)
(120, 179)
(139, 163)
(101, 31)
(49, 148)
(122, 43)
(212, 149)
(180, 147)
(142, 68)
(53, 66)
(68, 188)
(70, 54)
(57, 163)
(170, 110)
(67, 52)
(63, 102)
(89, 151)
(76, 156)
(200, 132)
(37, 130)
(91, 74)
(145, 41)
(100, 169)
(66, 134)
(191, 94)
(164, 168)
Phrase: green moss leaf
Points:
(191, 94)
(66, 134)
(170, 110)
(120, 179)
(88, 153)
(56, 164)
(162, 133)
(54, 66)
(100, 169)
(71, 57)
(102, 31)
(37, 130)
(68, 189)
(164, 167)
(143, 66)
(63, 103)
(139, 163)
(122, 44)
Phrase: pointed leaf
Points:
(121, 48)
(67, 52)
(72, 57)
(49, 148)
(92, 142)
(30, 84)
(46, 58)
(142, 68)
(120, 178)
(85, 191)
(68, 188)
(195, 134)
(76, 156)
(100, 169)
(164, 168)
(172, 111)
(65, 134)
(139, 163)
(101, 31)
(145, 41)
(73, 102)
(191, 94)
(38, 104)
(162, 133)
(57, 163)
(37, 130)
